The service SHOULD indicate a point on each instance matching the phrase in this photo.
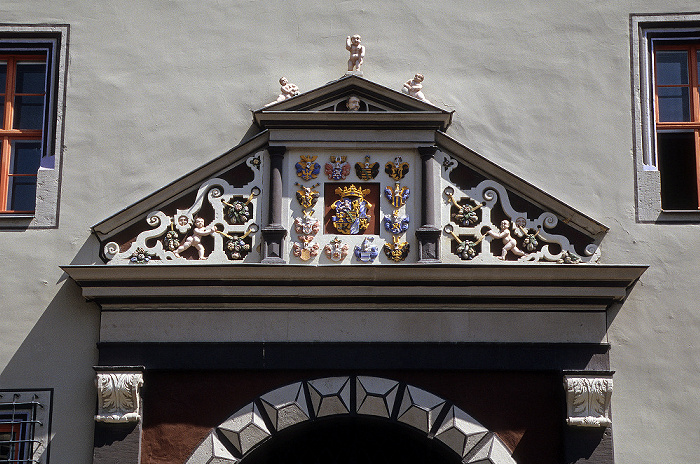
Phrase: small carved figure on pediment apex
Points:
(357, 54)
(287, 91)
(353, 103)
(414, 88)
(195, 240)
(509, 243)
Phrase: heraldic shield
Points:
(351, 216)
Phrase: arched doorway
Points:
(349, 420)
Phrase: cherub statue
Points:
(353, 103)
(357, 53)
(414, 88)
(509, 243)
(288, 90)
(195, 240)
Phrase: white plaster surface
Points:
(156, 89)
(349, 326)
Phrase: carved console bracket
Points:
(588, 399)
(118, 395)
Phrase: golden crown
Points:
(351, 191)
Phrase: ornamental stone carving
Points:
(118, 396)
(588, 400)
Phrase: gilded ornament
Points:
(307, 196)
(396, 224)
(366, 252)
(305, 248)
(307, 168)
(171, 241)
(466, 214)
(367, 170)
(351, 216)
(398, 196)
(336, 250)
(396, 169)
(396, 250)
(237, 247)
(466, 249)
(239, 211)
(338, 168)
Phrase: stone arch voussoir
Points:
(310, 400)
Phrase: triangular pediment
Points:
(379, 106)
(386, 174)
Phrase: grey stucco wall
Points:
(156, 89)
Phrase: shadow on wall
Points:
(59, 353)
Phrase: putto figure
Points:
(357, 54)
(509, 243)
(288, 90)
(195, 240)
(414, 88)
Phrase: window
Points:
(32, 88)
(23, 95)
(24, 426)
(677, 115)
(665, 69)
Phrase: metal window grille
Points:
(24, 426)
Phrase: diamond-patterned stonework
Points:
(493, 451)
(212, 451)
(330, 396)
(460, 431)
(245, 429)
(419, 408)
(286, 406)
(375, 396)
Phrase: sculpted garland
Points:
(235, 213)
(473, 225)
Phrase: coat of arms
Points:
(307, 168)
(338, 168)
(396, 250)
(396, 224)
(398, 196)
(351, 216)
(396, 169)
(307, 196)
(336, 250)
(305, 248)
(306, 224)
(367, 170)
(366, 252)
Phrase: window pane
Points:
(31, 78)
(674, 104)
(671, 67)
(29, 112)
(3, 77)
(676, 151)
(21, 194)
(2, 112)
(26, 157)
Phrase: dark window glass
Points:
(26, 157)
(31, 78)
(676, 152)
(29, 112)
(2, 112)
(674, 104)
(21, 194)
(3, 77)
(672, 67)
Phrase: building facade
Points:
(447, 248)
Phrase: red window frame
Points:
(10, 134)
